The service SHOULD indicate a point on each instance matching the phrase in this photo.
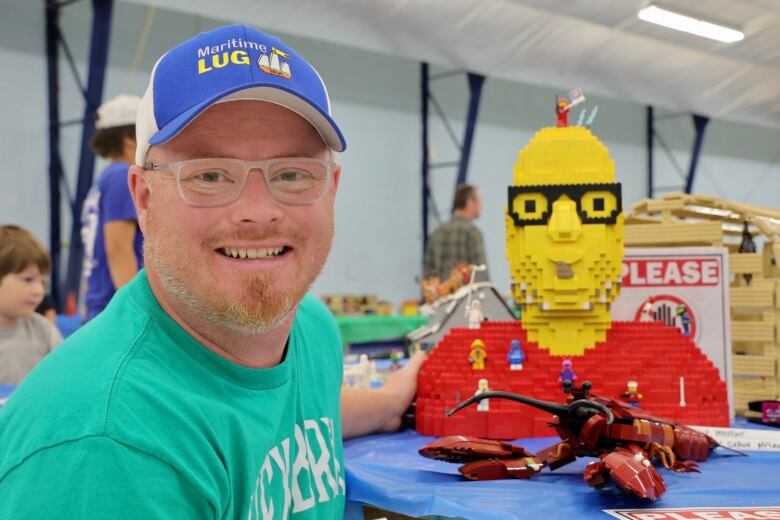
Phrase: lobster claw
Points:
(630, 469)
(685, 466)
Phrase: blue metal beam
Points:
(98, 60)
(700, 126)
(650, 136)
(426, 191)
(55, 161)
(475, 89)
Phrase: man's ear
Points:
(336, 178)
(141, 193)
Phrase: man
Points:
(210, 385)
(459, 240)
(109, 225)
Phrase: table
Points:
(376, 335)
(386, 471)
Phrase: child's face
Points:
(20, 294)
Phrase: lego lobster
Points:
(625, 439)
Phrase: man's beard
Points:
(266, 311)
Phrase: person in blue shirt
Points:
(112, 241)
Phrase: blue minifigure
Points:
(516, 356)
(685, 319)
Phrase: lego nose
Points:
(564, 224)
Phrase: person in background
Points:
(458, 241)
(25, 337)
(113, 251)
(210, 386)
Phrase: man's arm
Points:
(119, 236)
(365, 411)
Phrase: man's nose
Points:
(565, 224)
(256, 203)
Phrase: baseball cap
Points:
(118, 111)
(230, 63)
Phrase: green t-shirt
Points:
(133, 418)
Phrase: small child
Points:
(25, 336)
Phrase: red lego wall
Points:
(653, 354)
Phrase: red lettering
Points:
(670, 272)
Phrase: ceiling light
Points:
(658, 15)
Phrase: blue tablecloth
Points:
(386, 471)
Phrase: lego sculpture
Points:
(565, 239)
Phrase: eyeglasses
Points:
(596, 203)
(218, 182)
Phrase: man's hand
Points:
(365, 411)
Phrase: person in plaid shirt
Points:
(459, 240)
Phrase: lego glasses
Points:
(218, 182)
(596, 203)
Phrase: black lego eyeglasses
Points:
(596, 203)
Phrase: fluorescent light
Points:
(681, 22)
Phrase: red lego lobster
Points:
(625, 439)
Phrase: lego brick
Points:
(673, 234)
(752, 331)
(742, 263)
(754, 365)
(757, 295)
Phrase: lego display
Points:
(450, 311)
(565, 239)
(686, 288)
(433, 288)
(564, 227)
(652, 353)
(356, 305)
(679, 219)
(626, 441)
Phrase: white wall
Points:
(376, 100)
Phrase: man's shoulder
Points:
(68, 394)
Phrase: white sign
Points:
(743, 439)
(689, 287)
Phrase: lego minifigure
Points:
(567, 374)
(647, 314)
(482, 387)
(564, 105)
(685, 319)
(516, 356)
(396, 356)
(631, 395)
(474, 314)
(477, 355)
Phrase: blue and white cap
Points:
(230, 63)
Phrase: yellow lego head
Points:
(564, 225)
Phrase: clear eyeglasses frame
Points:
(213, 182)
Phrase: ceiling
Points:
(599, 45)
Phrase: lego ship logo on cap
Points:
(273, 64)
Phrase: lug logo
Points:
(223, 59)
(274, 64)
